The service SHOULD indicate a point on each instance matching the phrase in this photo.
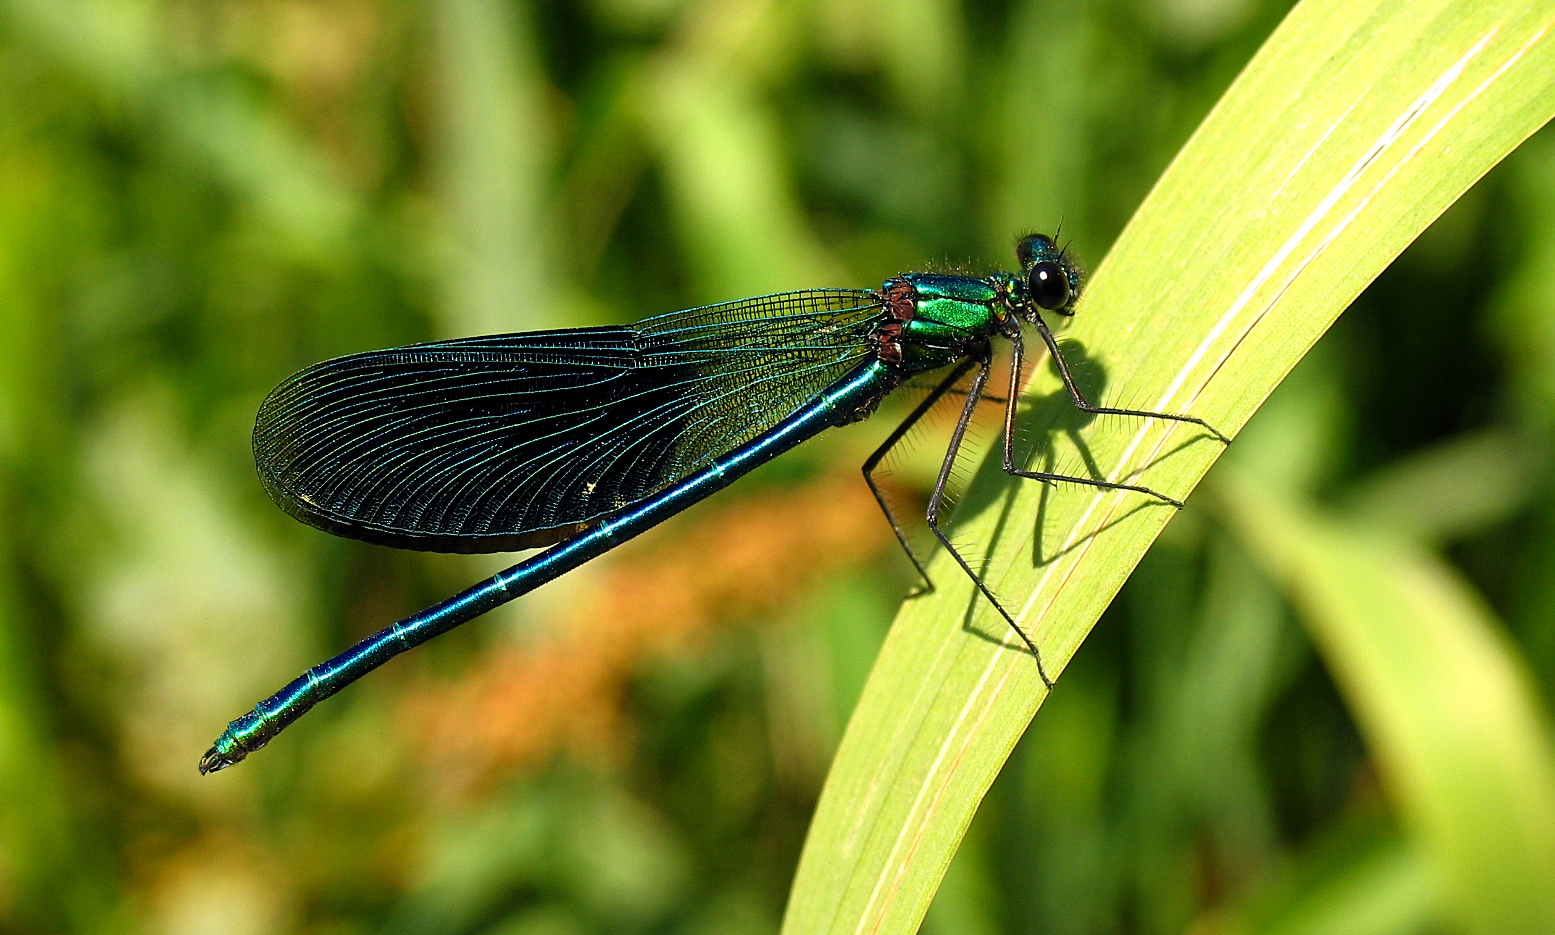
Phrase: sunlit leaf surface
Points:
(1354, 127)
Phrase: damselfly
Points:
(581, 439)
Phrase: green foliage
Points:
(197, 199)
(1353, 129)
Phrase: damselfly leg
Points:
(926, 585)
(1084, 405)
(1017, 365)
(937, 502)
(974, 396)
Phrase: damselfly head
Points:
(1051, 278)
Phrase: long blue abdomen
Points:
(843, 402)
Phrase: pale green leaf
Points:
(1444, 705)
(1353, 128)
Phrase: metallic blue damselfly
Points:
(581, 439)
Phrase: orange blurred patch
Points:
(746, 559)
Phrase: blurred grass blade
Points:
(1354, 127)
(1449, 714)
(929, 80)
(1052, 47)
(1425, 496)
(35, 831)
(494, 171)
(243, 140)
(1368, 887)
(741, 224)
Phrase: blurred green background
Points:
(199, 197)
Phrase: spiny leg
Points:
(937, 500)
(996, 400)
(895, 437)
(1016, 365)
(1084, 405)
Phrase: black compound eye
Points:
(1048, 285)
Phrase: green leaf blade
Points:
(1354, 127)
(1452, 718)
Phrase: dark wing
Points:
(513, 441)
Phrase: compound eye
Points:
(1048, 285)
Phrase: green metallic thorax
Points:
(953, 317)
